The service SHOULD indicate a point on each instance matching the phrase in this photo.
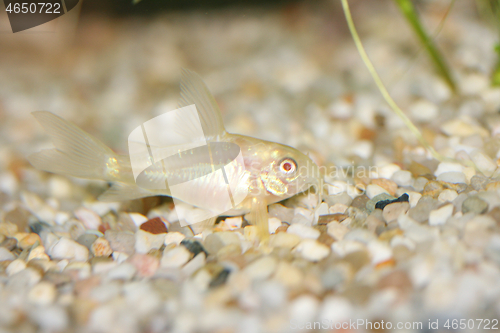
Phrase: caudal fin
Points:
(76, 152)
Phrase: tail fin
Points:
(77, 153)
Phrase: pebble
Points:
(87, 240)
(447, 195)
(174, 237)
(126, 271)
(392, 211)
(234, 222)
(303, 231)
(38, 253)
(101, 248)
(261, 268)
(337, 230)
(145, 265)
(66, 248)
(175, 258)
(53, 318)
(421, 211)
(274, 223)
(484, 163)
(452, 177)
(121, 241)
(444, 167)
(154, 226)
(89, 219)
(28, 240)
(474, 204)
(6, 254)
(373, 190)
(43, 293)
(389, 185)
(402, 178)
(312, 250)
(441, 215)
(338, 208)
(284, 239)
(15, 267)
(193, 246)
(145, 241)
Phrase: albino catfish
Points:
(267, 172)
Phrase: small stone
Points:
(288, 274)
(402, 178)
(90, 220)
(312, 250)
(87, 240)
(337, 230)
(303, 231)
(6, 254)
(383, 197)
(194, 246)
(452, 177)
(360, 201)
(381, 204)
(284, 239)
(261, 268)
(392, 211)
(121, 241)
(274, 223)
(146, 241)
(145, 265)
(174, 237)
(325, 219)
(373, 190)
(126, 271)
(42, 294)
(447, 195)
(220, 278)
(53, 318)
(38, 253)
(423, 208)
(424, 111)
(444, 167)
(388, 170)
(101, 248)
(386, 184)
(15, 267)
(479, 182)
(484, 163)
(66, 248)
(154, 226)
(338, 208)
(175, 258)
(441, 215)
(234, 222)
(8, 229)
(326, 239)
(475, 205)
(213, 243)
(9, 243)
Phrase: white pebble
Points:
(44, 293)
(66, 248)
(145, 241)
(337, 230)
(402, 178)
(424, 110)
(452, 177)
(303, 231)
(312, 250)
(6, 254)
(379, 251)
(53, 318)
(274, 223)
(448, 167)
(484, 163)
(137, 218)
(261, 268)
(338, 208)
(373, 190)
(447, 195)
(441, 215)
(414, 198)
(175, 258)
(234, 222)
(124, 271)
(15, 267)
(388, 170)
(89, 219)
(174, 238)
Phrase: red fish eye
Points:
(288, 166)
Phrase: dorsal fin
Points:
(194, 91)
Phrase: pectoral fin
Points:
(260, 217)
(121, 192)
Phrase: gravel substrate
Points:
(399, 239)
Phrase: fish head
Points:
(286, 172)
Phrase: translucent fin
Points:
(77, 153)
(260, 217)
(199, 227)
(122, 192)
(194, 91)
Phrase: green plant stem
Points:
(408, 10)
(381, 86)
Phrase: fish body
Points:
(258, 172)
